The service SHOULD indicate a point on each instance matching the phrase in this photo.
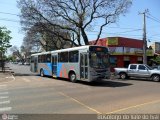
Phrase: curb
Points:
(7, 70)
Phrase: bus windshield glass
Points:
(99, 58)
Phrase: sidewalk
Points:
(6, 74)
(6, 70)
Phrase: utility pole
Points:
(144, 37)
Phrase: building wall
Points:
(123, 60)
(156, 47)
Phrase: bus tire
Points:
(72, 77)
(42, 73)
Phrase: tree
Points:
(4, 39)
(39, 39)
(16, 52)
(74, 17)
(4, 44)
(156, 60)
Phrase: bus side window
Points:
(40, 58)
(48, 58)
(32, 59)
(43, 58)
(63, 57)
(73, 56)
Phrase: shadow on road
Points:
(101, 83)
(106, 84)
(141, 79)
(24, 74)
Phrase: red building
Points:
(123, 50)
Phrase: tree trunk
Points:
(85, 38)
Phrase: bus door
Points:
(83, 66)
(54, 65)
(36, 64)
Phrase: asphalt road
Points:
(27, 93)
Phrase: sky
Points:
(130, 25)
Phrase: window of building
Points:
(126, 58)
(73, 56)
(140, 59)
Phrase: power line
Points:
(119, 32)
(153, 19)
(117, 27)
(9, 13)
(6, 19)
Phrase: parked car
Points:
(26, 63)
(138, 70)
(20, 63)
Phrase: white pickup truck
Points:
(139, 71)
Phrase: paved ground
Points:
(32, 94)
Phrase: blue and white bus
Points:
(86, 63)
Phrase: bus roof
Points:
(67, 49)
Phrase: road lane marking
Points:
(5, 109)
(3, 88)
(9, 81)
(13, 77)
(84, 105)
(2, 85)
(26, 80)
(5, 102)
(3, 97)
(135, 106)
(3, 93)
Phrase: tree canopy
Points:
(73, 17)
(4, 39)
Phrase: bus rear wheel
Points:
(72, 77)
(42, 73)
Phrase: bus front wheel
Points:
(72, 77)
(42, 73)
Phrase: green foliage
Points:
(156, 60)
(11, 58)
(4, 39)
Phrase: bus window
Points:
(73, 56)
(48, 58)
(40, 58)
(32, 59)
(63, 57)
(99, 60)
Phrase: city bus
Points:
(86, 63)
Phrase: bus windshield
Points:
(98, 60)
